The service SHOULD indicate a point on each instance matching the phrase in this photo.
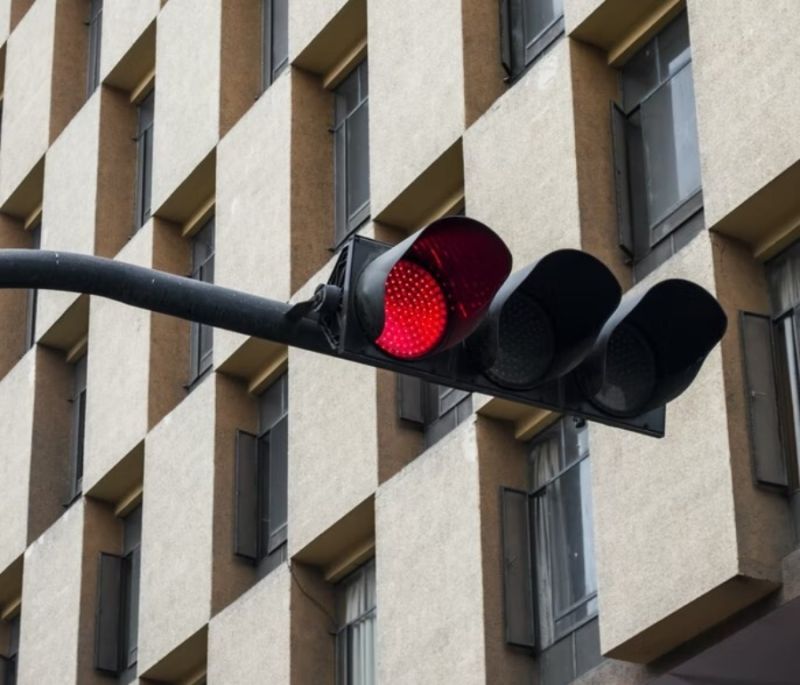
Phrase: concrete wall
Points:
(16, 426)
(671, 542)
(116, 399)
(415, 112)
(430, 609)
(763, 138)
(26, 108)
(123, 23)
(307, 18)
(51, 597)
(70, 195)
(519, 162)
(175, 595)
(252, 212)
(187, 104)
(251, 637)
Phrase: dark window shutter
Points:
(107, 620)
(619, 127)
(505, 36)
(517, 580)
(769, 465)
(448, 398)
(409, 399)
(5, 666)
(246, 518)
(278, 483)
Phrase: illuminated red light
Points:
(415, 312)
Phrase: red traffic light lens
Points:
(415, 312)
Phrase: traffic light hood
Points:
(545, 319)
(430, 291)
(652, 347)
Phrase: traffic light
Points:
(442, 305)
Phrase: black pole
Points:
(158, 291)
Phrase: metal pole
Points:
(162, 292)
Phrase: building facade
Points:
(182, 504)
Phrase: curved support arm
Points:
(162, 292)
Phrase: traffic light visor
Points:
(429, 292)
(652, 348)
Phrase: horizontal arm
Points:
(185, 298)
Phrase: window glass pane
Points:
(357, 160)
(672, 159)
(783, 276)
(639, 76)
(786, 335)
(538, 15)
(272, 404)
(356, 637)
(340, 181)
(347, 96)
(280, 35)
(673, 47)
(545, 459)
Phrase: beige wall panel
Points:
(519, 162)
(306, 19)
(117, 376)
(670, 538)
(250, 638)
(186, 125)
(70, 194)
(16, 426)
(123, 22)
(417, 111)
(747, 116)
(26, 108)
(430, 604)
(252, 214)
(333, 441)
(51, 594)
(5, 20)
(175, 596)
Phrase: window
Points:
(274, 40)
(771, 347)
(201, 335)
(436, 409)
(8, 663)
(351, 152)
(656, 155)
(117, 624)
(95, 25)
(528, 27)
(144, 164)
(30, 322)
(548, 542)
(262, 463)
(355, 637)
(78, 401)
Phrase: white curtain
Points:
(358, 609)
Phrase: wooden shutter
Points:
(619, 125)
(246, 506)
(278, 483)
(409, 399)
(108, 614)
(769, 463)
(517, 578)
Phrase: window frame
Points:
(420, 403)
(343, 627)
(32, 294)
(269, 70)
(201, 361)
(78, 426)
(348, 222)
(145, 111)
(95, 27)
(519, 52)
(648, 243)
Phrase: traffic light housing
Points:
(557, 334)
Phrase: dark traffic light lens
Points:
(630, 376)
(415, 312)
(525, 347)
